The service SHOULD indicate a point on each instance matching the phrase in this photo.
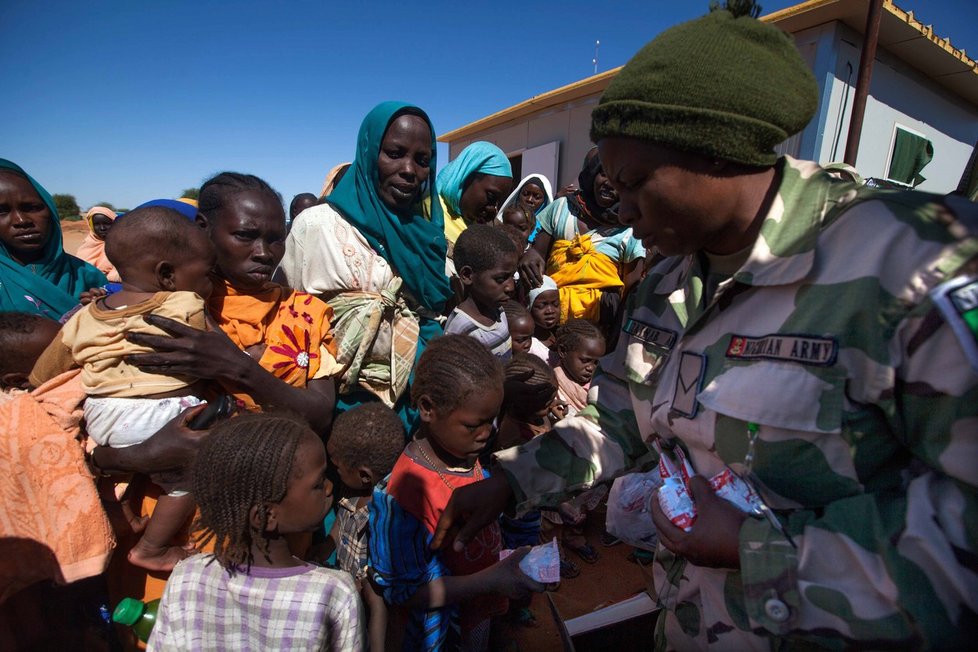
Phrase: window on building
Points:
(909, 155)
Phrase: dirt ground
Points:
(73, 234)
(612, 578)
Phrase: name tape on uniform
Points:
(660, 337)
(820, 351)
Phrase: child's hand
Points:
(506, 578)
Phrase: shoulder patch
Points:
(958, 302)
(654, 335)
(805, 349)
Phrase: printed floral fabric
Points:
(293, 325)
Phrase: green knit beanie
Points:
(720, 86)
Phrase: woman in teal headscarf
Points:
(375, 252)
(473, 187)
(36, 275)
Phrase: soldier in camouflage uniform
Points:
(835, 354)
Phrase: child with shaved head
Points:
(163, 260)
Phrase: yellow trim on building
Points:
(819, 11)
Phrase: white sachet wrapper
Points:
(542, 563)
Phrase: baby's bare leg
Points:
(154, 551)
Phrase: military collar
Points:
(785, 249)
(784, 252)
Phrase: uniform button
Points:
(776, 610)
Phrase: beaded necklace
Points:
(418, 447)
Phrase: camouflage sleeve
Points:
(897, 564)
(600, 443)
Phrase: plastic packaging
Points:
(673, 496)
(731, 488)
(629, 517)
(542, 563)
(138, 615)
(676, 500)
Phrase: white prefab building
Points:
(922, 109)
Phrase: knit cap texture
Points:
(720, 86)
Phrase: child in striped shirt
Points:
(485, 259)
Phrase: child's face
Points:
(30, 347)
(193, 273)
(580, 362)
(521, 332)
(347, 474)
(310, 493)
(101, 225)
(464, 431)
(532, 197)
(517, 219)
(546, 309)
(493, 286)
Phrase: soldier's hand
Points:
(470, 509)
(714, 540)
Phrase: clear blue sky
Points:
(124, 101)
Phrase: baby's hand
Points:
(506, 578)
(90, 295)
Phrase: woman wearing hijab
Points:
(534, 194)
(584, 249)
(375, 251)
(472, 187)
(92, 248)
(36, 274)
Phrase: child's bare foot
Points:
(156, 558)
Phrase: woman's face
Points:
(404, 163)
(532, 197)
(671, 204)
(101, 225)
(248, 232)
(604, 193)
(25, 220)
(481, 199)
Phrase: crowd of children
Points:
(262, 484)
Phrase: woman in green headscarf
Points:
(36, 274)
(472, 188)
(375, 251)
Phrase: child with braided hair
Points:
(258, 478)
(450, 594)
(580, 345)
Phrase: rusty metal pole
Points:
(871, 38)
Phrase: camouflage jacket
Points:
(865, 397)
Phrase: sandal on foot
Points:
(568, 569)
(608, 539)
(587, 553)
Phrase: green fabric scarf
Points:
(414, 244)
(50, 286)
